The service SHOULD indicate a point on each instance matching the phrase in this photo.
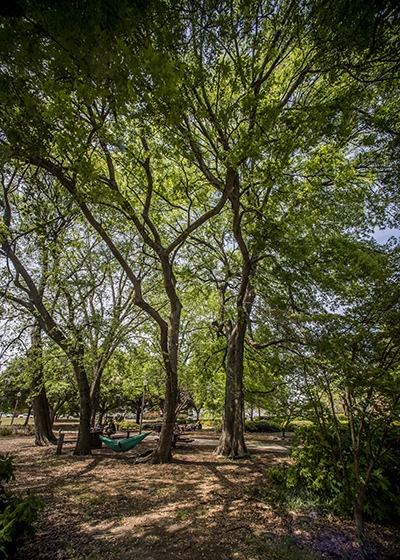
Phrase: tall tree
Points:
(187, 111)
(31, 284)
(278, 91)
(40, 405)
(60, 277)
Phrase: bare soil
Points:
(106, 507)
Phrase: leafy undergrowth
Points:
(105, 507)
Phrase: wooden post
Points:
(60, 443)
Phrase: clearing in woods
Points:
(105, 507)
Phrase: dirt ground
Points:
(106, 507)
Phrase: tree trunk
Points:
(358, 507)
(83, 446)
(163, 453)
(43, 426)
(197, 410)
(52, 414)
(27, 418)
(231, 443)
(95, 397)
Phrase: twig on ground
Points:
(237, 528)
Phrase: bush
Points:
(291, 427)
(128, 426)
(261, 426)
(314, 470)
(250, 425)
(151, 425)
(6, 431)
(213, 423)
(16, 513)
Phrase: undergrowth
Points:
(285, 548)
(16, 513)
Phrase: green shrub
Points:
(151, 425)
(261, 426)
(314, 470)
(216, 423)
(17, 430)
(6, 431)
(16, 513)
(129, 426)
(291, 427)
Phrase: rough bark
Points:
(231, 443)
(83, 446)
(358, 507)
(95, 398)
(43, 426)
(162, 453)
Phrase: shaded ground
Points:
(105, 507)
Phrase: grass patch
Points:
(181, 514)
(297, 499)
(284, 549)
(93, 500)
(164, 490)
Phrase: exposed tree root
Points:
(44, 441)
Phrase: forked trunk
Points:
(231, 443)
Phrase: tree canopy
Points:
(220, 166)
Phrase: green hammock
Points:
(124, 444)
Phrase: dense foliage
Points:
(261, 426)
(315, 469)
(17, 514)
